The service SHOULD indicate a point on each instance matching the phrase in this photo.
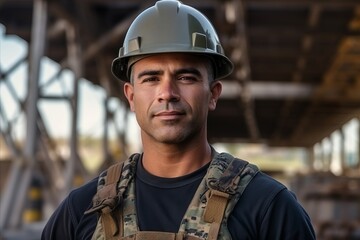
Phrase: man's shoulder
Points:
(264, 193)
(267, 210)
(261, 191)
(267, 183)
(83, 194)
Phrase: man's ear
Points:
(129, 94)
(215, 88)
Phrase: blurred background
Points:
(291, 106)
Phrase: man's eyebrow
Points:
(149, 73)
(190, 70)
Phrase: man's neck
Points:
(170, 161)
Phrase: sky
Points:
(56, 114)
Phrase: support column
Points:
(22, 171)
(342, 152)
(75, 63)
(326, 154)
(310, 158)
(330, 154)
(318, 156)
(322, 156)
(108, 115)
(105, 143)
(358, 147)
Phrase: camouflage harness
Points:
(205, 218)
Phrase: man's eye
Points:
(187, 78)
(150, 79)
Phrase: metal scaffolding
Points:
(39, 157)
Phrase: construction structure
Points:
(296, 81)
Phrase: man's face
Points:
(171, 96)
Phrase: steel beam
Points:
(342, 151)
(12, 204)
(75, 63)
(310, 158)
(268, 90)
(358, 140)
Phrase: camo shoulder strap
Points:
(112, 184)
(216, 197)
(205, 218)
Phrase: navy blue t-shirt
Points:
(266, 210)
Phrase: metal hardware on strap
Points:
(215, 206)
(214, 211)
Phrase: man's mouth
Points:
(169, 115)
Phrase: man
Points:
(171, 62)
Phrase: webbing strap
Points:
(106, 197)
(110, 222)
(113, 174)
(215, 207)
(214, 211)
(109, 226)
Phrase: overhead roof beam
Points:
(268, 90)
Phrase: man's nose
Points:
(168, 90)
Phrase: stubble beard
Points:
(175, 132)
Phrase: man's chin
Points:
(172, 137)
